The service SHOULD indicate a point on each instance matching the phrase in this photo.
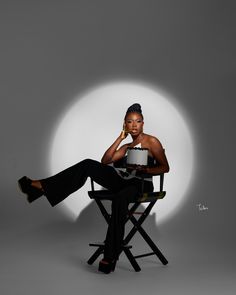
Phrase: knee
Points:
(127, 195)
(90, 165)
(88, 162)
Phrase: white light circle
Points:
(94, 121)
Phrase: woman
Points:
(125, 185)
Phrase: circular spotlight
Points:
(94, 121)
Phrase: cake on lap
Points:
(137, 156)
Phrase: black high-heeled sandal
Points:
(107, 266)
(25, 185)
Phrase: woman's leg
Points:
(115, 232)
(120, 203)
(56, 188)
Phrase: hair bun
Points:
(135, 108)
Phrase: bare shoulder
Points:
(153, 141)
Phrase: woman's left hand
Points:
(139, 168)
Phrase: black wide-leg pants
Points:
(58, 187)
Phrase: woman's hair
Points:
(134, 108)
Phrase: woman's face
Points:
(134, 123)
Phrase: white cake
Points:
(137, 156)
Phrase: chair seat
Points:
(145, 197)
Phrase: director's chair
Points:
(104, 195)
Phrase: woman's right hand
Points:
(113, 154)
(124, 133)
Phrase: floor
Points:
(42, 256)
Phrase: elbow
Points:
(105, 161)
(167, 169)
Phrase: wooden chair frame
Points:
(103, 195)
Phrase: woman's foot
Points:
(30, 188)
(106, 266)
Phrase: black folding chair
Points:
(103, 195)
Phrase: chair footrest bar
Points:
(97, 244)
(145, 255)
(102, 245)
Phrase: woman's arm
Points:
(159, 154)
(113, 154)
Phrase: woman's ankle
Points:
(37, 184)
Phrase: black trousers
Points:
(61, 185)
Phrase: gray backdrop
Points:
(51, 51)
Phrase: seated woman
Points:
(126, 186)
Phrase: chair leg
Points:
(149, 241)
(132, 260)
(140, 220)
(103, 210)
(137, 227)
(95, 255)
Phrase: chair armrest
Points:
(161, 179)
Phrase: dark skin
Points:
(133, 125)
